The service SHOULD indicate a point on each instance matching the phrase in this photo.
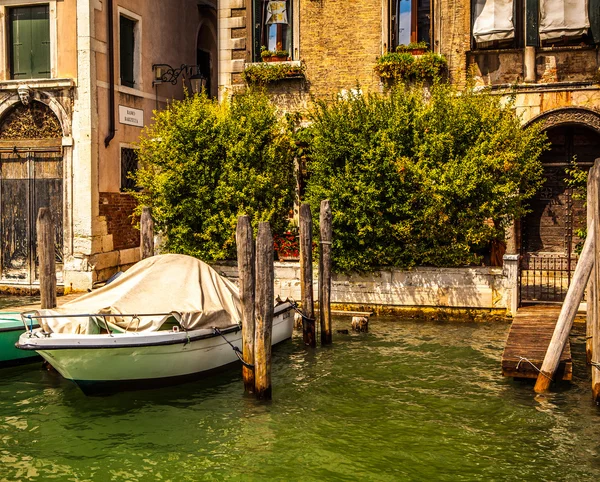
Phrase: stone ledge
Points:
(37, 84)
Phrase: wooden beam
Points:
(46, 256)
(146, 233)
(306, 277)
(246, 266)
(265, 303)
(325, 222)
(567, 314)
(594, 205)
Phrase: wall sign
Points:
(131, 116)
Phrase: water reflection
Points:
(407, 401)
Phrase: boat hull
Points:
(138, 360)
(11, 327)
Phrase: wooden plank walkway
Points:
(528, 340)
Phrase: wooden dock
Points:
(528, 340)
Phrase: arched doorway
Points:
(206, 47)
(31, 177)
(549, 240)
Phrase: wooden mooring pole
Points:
(325, 221)
(567, 314)
(246, 267)
(265, 300)
(146, 233)
(306, 277)
(46, 256)
(593, 204)
(591, 314)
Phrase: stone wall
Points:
(470, 287)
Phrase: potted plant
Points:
(415, 48)
(287, 245)
(273, 55)
(267, 73)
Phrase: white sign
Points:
(131, 116)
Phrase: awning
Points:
(493, 20)
(563, 18)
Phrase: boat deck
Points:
(528, 340)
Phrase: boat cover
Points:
(198, 295)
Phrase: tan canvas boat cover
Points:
(159, 284)
(563, 18)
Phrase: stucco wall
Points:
(469, 287)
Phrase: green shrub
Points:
(394, 67)
(205, 163)
(419, 181)
(262, 74)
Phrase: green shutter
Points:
(20, 39)
(532, 38)
(126, 49)
(30, 42)
(40, 40)
(594, 13)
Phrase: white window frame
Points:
(4, 57)
(137, 49)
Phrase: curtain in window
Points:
(493, 20)
(563, 18)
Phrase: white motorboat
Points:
(168, 319)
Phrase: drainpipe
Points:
(111, 76)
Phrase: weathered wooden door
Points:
(549, 238)
(29, 180)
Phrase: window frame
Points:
(137, 47)
(255, 45)
(124, 188)
(5, 54)
(414, 29)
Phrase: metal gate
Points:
(29, 180)
(545, 277)
(548, 240)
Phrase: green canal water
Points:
(407, 401)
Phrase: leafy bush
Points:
(262, 74)
(419, 181)
(205, 163)
(395, 67)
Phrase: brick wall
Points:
(340, 42)
(117, 209)
(452, 34)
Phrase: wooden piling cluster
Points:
(587, 273)
(306, 274)
(256, 275)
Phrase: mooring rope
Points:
(299, 311)
(236, 350)
(595, 364)
(522, 358)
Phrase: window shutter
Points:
(40, 40)
(126, 48)
(532, 38)
(20, 33)
(594, 13)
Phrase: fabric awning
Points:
(493, 20)
(563, 18)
